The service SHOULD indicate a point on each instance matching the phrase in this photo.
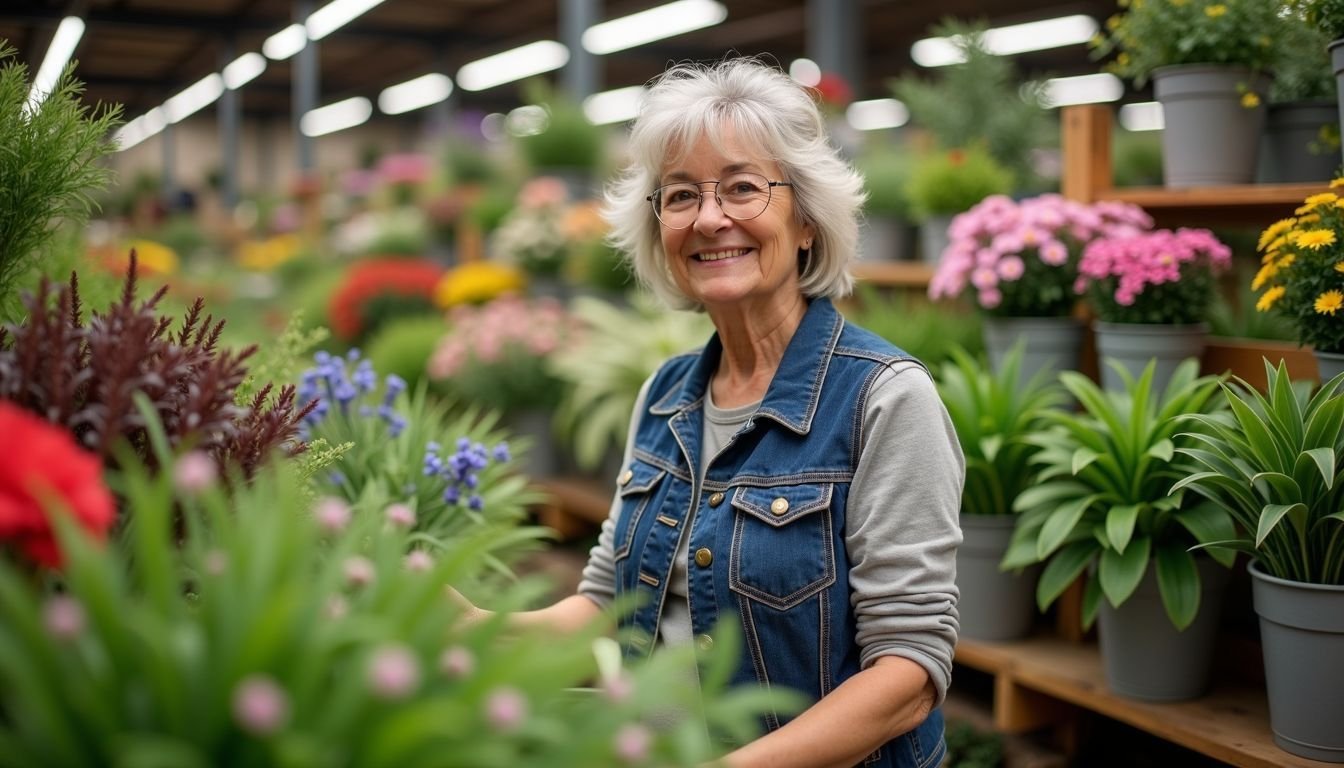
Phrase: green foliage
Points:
(1148, 35)
(265, 637)
(279, 360)
(49, 167)
(1136, 158)
(402, 231)
(886, 173)
(403, 346)
(467, 163)
(969, 748)
(981, 101)
(1237, 318)
(600, 267)
(994, 414)
(1276, 464)
(1103, 495)
(604, 371)
(183, 235)
(568, 140)
(490, 209)
(950, 182)
(1300, 278)
(928, 331)
(1325, 15)
(1302, 69)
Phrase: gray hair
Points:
(764, 108)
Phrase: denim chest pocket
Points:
(783, 549)
(636, 491)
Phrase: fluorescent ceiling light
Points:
(1142, 116)
(654, 24)
(335, 15)
(1084, 89)
(877, 114)
(243, 70)
(616, 106)
(139, 129)
(194, 98)
(1006, 41)
(805, 71)
(336, 117)
(285, 43)
(414, 94)
(531, 59)
(58, 55)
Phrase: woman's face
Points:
(718, 261)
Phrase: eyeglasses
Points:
(741, 197)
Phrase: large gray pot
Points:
(1052, 344)
(1328, 364)
(884, 238)
(1208, 137)
(1293, 150)
(1302, 634)
(1134, 344)
(994, 605)
(933, 238)
(1144, 655)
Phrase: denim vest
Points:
(767, 538)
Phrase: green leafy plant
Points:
(568, 140)
(1276, 464)
(945, 183)
(994, 415)
(886, 173)
(49, 167)
(279, 632)
(1102, 498)
(980, 101)
(1151, 34)
(404, 345)
(1325, 15)
(1302, 70)
(603, 372)
(926, 330)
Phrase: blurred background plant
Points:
(928, 331)
(376, 290)
(952, 181)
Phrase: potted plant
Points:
(928, 331)
(1021, 261)
(1327, 16)
(1301, 140)
(1275, 464)
(495, 356)
(1208, 60)
(993, 414)
(945, 183)
(1300, 277)
(1101, 507)
(566, 146)
(886, 234)
(532, 235)
(1151, 292)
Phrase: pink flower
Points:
(194, 473)
(457, 662)
(543, 192)
(419, 561)
(505, 709)
(1054, 253)
(359, 571)
(990, 298)
(216, 562)
(260, 705)
(1010, 268)
(400, 516)
(63, 617)
(633, 742)
(984, 278)
(618, 688)
(393, 673)
(332, 514)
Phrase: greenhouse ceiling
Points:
(141, 52)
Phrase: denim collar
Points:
(795, 390)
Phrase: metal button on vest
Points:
(703, 557)
(715, 499)
(626, 477)
(779, 506)
(704, 642)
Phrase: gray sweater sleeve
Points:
(901, 527)
(598, 582)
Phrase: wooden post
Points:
(1086, 146)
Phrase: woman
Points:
(798, 475)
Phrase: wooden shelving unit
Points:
(1045, 681)
(895, 274)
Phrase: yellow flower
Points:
(1316, 239)
(1339, 266)
(1337, 183)
(1286, 261)
(1122, 59)
(1310, 218)
(476, 282)
(1249, 99)
(1263, 276)
(1267, 300)
(1330, 301)
(1214, 11)
(265, 255)
(1113, 23)
(1273, 231)
(1321, 199)
(154, 257)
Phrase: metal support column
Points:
(580, 74)
(168, 184)
(305, 88)
(834, 41)
(230, 109)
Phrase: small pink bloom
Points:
(400, 515)
(1010, 268)
(984, 278)
(332, 514)
(260, 706)
(619, 688)
(505, 709)
(990, 298)
(216, 562)
(419, 561)
(394, 672)
(63, 616)
(633, 742)
(194, 473)
(359, 571)
(457, 662)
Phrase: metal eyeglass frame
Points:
(769, 195)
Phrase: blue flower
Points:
(476, 502)
(501, 452)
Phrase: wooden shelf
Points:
(574, 506)
(1037, 680)
(1245, 205)
(895, 274)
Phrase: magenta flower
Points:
(633, 743)
(419, 561)
(393, 672)
(457, 662)
(506, 709)
(359, 571)
(194, 473)
(333, 515)
(260, 705)
(1161, 276)
(400, 515)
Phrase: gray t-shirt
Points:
(901, 526)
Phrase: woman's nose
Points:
(710, 218)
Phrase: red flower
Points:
(833, 90)
(369, 280)
(44, 466)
